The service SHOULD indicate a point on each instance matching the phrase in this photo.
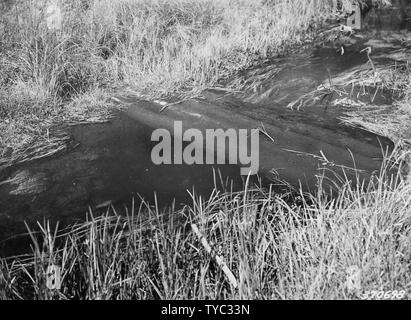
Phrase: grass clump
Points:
(389, 117)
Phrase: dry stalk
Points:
(219, 260)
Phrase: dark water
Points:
(108, 162)
(111, 162)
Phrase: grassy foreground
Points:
(149, 47)
(254, 244)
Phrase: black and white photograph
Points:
(218, 152)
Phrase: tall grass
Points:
(150, 47)
(276, 247)
(166, 44)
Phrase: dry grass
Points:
(169, 45)
(389, 119)
(151, 48)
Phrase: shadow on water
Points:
(110, 162)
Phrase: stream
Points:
(109, 163)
